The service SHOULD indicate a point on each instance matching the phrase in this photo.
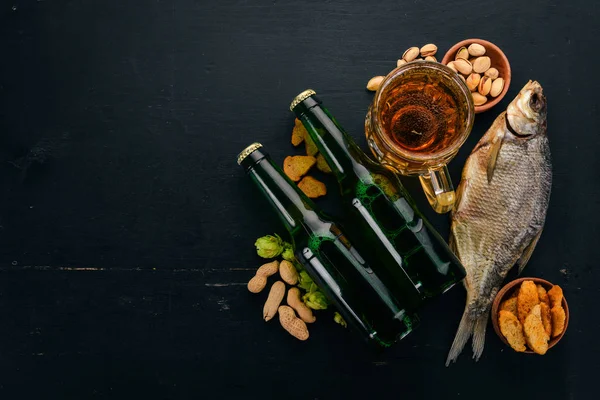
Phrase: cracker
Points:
(295, 167)
(526, 299)
(312, 187)
(512, 330)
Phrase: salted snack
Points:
(512, 330)
(483, 80)
(535, 334)
(526, 300)
(558, 320)
(555, 295)
(288, 272)
(274, 300)
(298, 132)
(374, 83)
(259, 281)
(530, 305)
(510, 305)
(312, 187)
(291, 323)
(295, 167)
(322, 164)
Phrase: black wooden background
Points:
(127, 228)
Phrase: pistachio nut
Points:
(462, 53)
(482, 64)
(475, 49)
(428, 50)
(374, 83)
(400, 62)
(431, 58)
(463, 66)
(473, 81)
(497, 87)
(478, 99)
(485, 85)
(492, 73)
(451, 66)
(410, 54)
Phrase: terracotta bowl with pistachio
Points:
(485, 69)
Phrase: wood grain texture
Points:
(127, 227)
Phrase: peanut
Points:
(257, 284)
(274, 300)
(259, 281)
(294, 301)
(288, 272)
(294, 325)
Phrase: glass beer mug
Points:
(421, 114)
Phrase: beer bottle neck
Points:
(292, 206)
(340, 151)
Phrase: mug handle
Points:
(438, 189)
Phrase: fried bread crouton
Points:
(322, 164)
(312, 187)
(298, 133)
(555, 294)
(543, 295)
(509, 305)
(297, 166)
(311, 147)
(512, 330)
(526, 299)
(558, 320)
(535, 334)
(546, 319)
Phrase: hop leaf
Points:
(304, 281)
(269, 246)
(288, 252)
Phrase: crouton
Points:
(546, 319)
(535, 334)
(558, 320)
(295, 167)
(543, 295)
(311, 147)
(512, 330)
(509, 305)
(298, 133)
(312, 187)
(526, 299)
(322, 164)
(555, 294)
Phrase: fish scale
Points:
(501, 208)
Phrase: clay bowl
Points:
(499, 61)
(505, 293)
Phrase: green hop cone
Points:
(304, 281)
(269, 246)
(288, 252)
(315, 300)
(337, 317)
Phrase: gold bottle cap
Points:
(247, 151)
(301, 97)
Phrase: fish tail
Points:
(464, 332)
(479, 335)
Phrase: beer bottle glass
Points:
(361, 295)
(397, 240)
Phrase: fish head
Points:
(526, 114)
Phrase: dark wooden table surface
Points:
(127, 228)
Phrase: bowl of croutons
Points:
(530, 315)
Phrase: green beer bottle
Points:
(362, 297)
(399, 242)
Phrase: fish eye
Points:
(537, 101)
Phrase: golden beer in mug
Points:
(421, 114)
